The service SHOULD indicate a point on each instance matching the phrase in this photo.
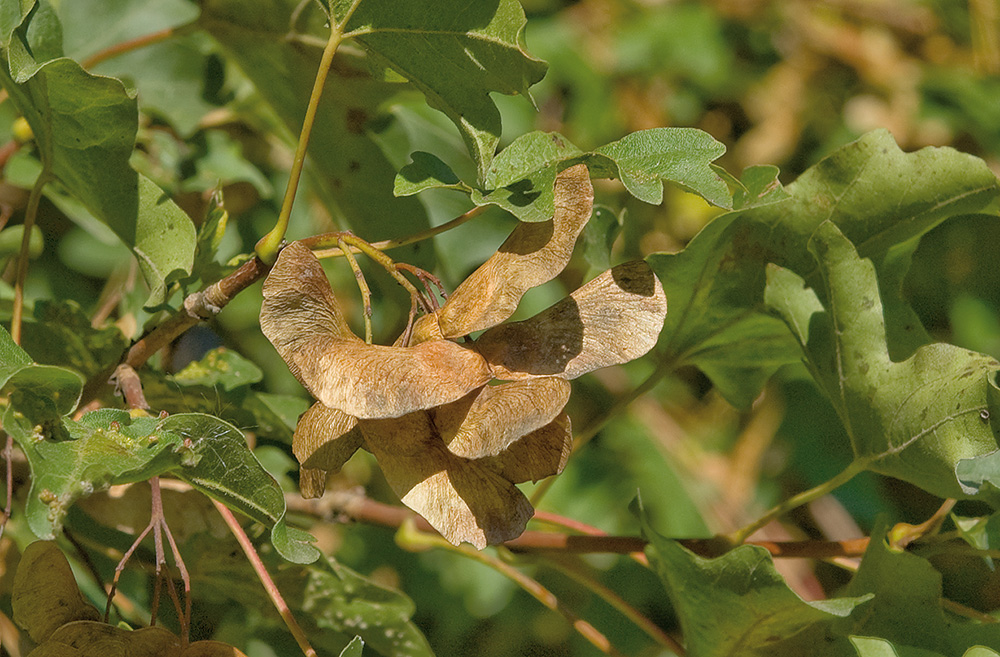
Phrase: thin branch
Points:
(30, 213)
(133, 44)
(355, 506)
(796, 501)
(386, 245)
(265, 579)
(197, 307)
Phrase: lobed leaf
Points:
(521, 177)
(914, 420)
(456, 53)
(906, 605)
(738, 604)
(882, 199)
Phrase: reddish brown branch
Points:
(197, 307)
(354, 506)
(128, 46)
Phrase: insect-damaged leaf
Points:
(301, 318)
(533, 254)
(613, 319)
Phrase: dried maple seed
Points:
(451, 446)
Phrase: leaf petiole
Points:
(268, 246)
(856, 467)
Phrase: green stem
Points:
(805, 497)
(267, 247)
(385, 245)
(366, 295)
(22, 259)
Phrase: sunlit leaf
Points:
(914, 420)
(739, 604)
(869, 189)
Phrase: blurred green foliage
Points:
(780, 83)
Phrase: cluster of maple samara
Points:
(451, 442)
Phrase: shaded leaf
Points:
(44, 392)
(45, 593)
(914, 420)
(62, 335)
(456, 53)
(85, 128)
(90, 637)
(333, 602)
(426, 171)
(598, 238)
(613, 319)
(906, 608)
(353, 176)
(533, 254)
(354, 649)
(220, 367)
(868, 646)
